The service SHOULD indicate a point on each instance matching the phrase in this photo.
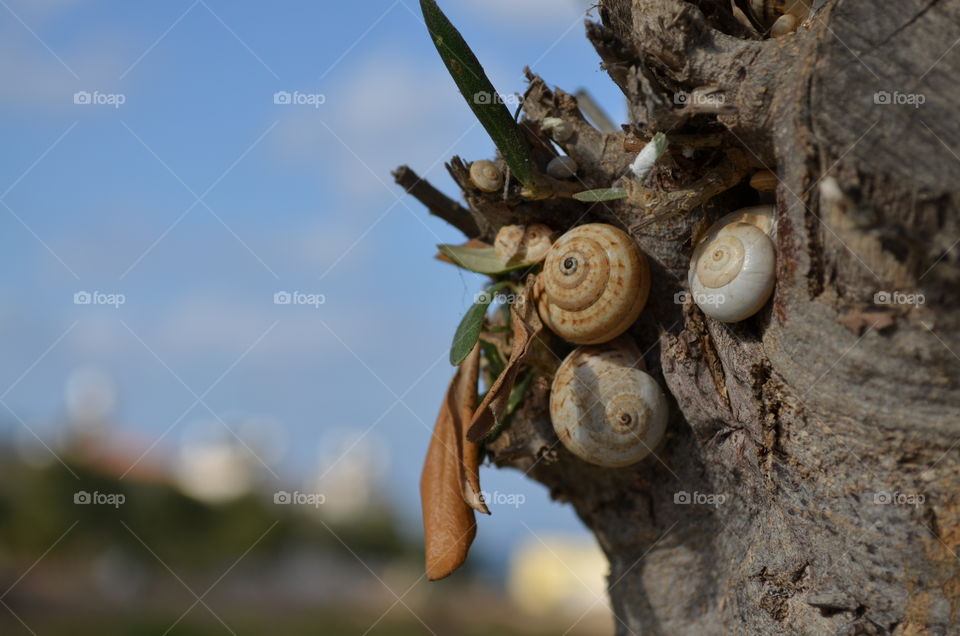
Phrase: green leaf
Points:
(603, 194)
(468, 331)
(517, 394)
(494, 359)
(482, 260)
(481, 96)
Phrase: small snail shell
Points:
(732, 271)
(779, 16)
(557, 128)
(594, 284)
(523, 244)
(605, 408)
(764, 181)
(562, 167)
(486, 175)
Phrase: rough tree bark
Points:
(805, 415)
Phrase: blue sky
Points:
(198, 198)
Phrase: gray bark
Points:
(806, 414)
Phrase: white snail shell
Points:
(562, 167)
(486, 175)
(733, 268)
(605, 408)
(594, 284)
(523, 244)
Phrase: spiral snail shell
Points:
(486, 175)
(605, 408)
(594, 284)
(733, 268)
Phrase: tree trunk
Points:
(830, 421)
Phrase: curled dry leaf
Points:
(526, 326)
(464, 394)
(450, 477)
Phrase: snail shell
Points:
(523, 244)
(486, 175)
(594, 284)
(733, 268)
(764, 181)
(779, 16)
(562, 167)
(605, 408)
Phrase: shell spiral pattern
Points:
(605, 408)
(595, 283)
(732, 271)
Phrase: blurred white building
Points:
(563, 574)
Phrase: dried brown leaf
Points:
(450, 483)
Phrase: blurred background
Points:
(224, 335)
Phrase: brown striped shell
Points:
(595, 283)
(767, 12)
(605, 408)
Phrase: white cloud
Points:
(390, 110)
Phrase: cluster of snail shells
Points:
(733, 268)
(523, 243)
(605, 408)
(594, 284)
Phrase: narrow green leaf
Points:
(603, 194)
(494, 359)
(482, 260)
(468, 331)
(481, 96)
(517, 394)
(519, 391)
